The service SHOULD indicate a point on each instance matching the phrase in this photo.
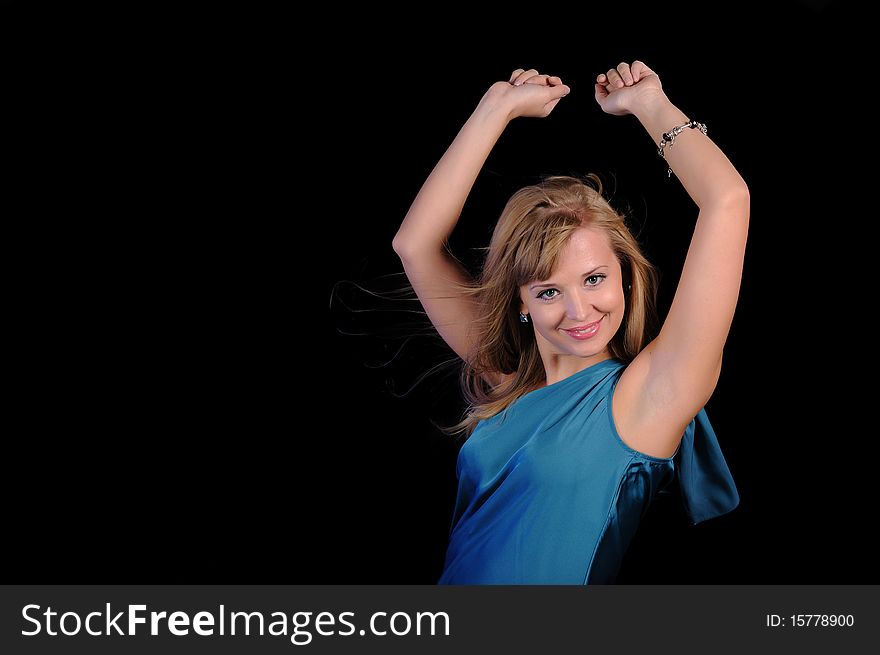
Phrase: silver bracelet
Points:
(668, 138)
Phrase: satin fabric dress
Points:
(548, 492)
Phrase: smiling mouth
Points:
(584, 331)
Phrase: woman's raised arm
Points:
(675, 375)
(421, 240)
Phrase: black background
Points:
(193, 198)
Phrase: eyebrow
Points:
(553, 284)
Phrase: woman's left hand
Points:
(621, 90)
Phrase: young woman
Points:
(578, 418)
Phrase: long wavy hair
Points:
(533, 229)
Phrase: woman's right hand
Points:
(528, 93)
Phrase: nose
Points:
(576, 307)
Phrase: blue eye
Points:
(595, 277)
(543, 295)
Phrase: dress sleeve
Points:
(707, 487)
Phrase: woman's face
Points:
(577, 311)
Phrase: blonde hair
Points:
(526, 244)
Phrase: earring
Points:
(523, 318)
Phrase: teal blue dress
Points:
(548, 492)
